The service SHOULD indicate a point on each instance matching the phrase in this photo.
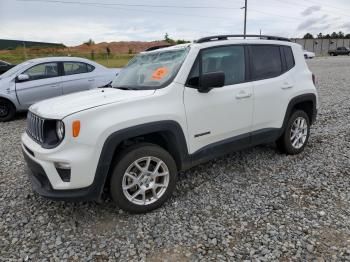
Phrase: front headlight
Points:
(60, 130)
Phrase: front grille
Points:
(35, 127)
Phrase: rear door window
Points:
(74, 68)
(266, 61)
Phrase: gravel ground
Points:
(252, 205)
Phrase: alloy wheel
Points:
(145, 180)
(299, 132)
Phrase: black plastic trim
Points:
(310, 97)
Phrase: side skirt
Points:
(234, 144)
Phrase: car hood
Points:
(62, 106)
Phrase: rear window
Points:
(266, 61)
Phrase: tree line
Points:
(334, 35)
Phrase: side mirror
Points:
(22, 78)
(211, 80)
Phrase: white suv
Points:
(168, 110)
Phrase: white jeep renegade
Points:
(168, 110)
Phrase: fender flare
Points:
(173, 131)
(310, 97)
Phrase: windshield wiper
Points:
(125, 88)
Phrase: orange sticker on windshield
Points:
(160, 73)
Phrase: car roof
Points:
(60, 59)
(242, 41)
(225, 42)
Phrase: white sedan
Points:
(42, 78)
(308, 54)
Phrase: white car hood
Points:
(62, 106)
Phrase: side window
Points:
(90, 68)
(288, 53)
(73, 68)
(266, 61)
(2, 63)
(227, 59)
(42, 71)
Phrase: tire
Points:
(7, 110)
(135, 182)
(286, 144)
(306, 57)
(331, 54)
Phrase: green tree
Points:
(320, 36)
(308, 36)
(334, 35)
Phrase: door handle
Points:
(91, 80)
(54, 86)
(242, 95)
(287, 86)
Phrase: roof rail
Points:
(152, 48)
(225, 37)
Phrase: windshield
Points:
(14, 70)
(151, 70)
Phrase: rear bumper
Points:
(43, 187)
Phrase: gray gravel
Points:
(252, 205)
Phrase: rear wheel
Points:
(296, 134)
(143, 178)
(7, 110)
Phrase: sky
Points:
(73, 22)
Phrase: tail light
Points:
(314, 79)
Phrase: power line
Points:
(131, 5)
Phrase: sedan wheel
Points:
(7, 110)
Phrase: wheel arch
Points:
(305, 102)
(11, 100)
(167, 134)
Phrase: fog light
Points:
(64, 171)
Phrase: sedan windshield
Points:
(151, 70)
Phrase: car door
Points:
(77, 76)
(43, 83)
(272, 75)
(222, 113)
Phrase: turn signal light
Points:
(76, 128)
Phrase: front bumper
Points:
(47, 182)
(43, 187)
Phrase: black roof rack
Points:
(226, 37)
(156, 47)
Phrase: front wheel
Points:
(143, 178)
(296, 134)
(7, 110)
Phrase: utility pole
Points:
(245, 17)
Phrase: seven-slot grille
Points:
(35, 127)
